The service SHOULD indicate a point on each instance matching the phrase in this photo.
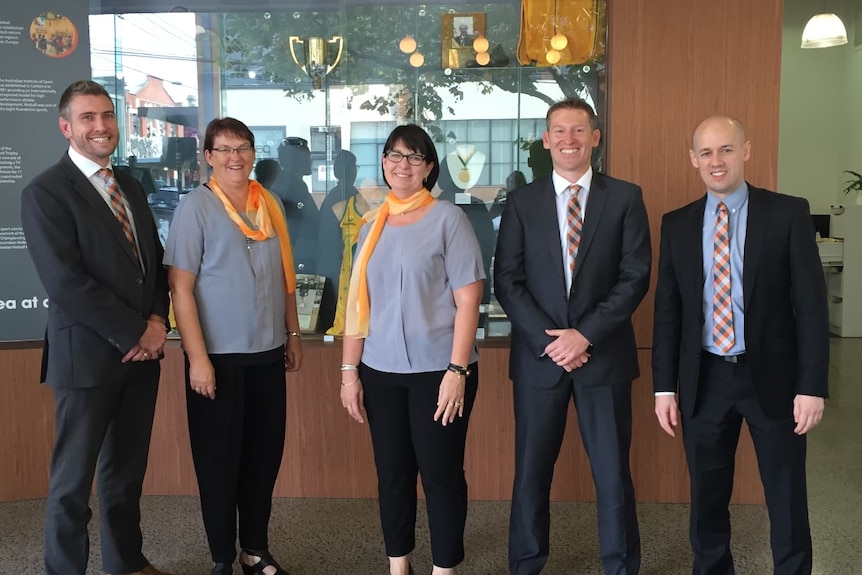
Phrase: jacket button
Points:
(139, 281)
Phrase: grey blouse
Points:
(239, 289)
(412, 273)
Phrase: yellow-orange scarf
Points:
(266, 215)
(358, 311)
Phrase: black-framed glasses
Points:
(243, 150)
(412, 159)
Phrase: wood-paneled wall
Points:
(327, 454)
(672, 63)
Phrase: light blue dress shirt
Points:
(737, 209)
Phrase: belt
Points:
(726, 358)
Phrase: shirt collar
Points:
(87, 166)
(733, 200)
(561, 183)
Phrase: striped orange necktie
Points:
(574, 223)
(119, 207)
(722, 309)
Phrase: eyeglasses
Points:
(228, 151)
(412, 159)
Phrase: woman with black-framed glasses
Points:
(409, 360)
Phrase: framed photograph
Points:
(457, 32)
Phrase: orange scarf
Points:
(265, 213)
(358, 311)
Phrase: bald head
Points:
(719, 151)
(719, 122)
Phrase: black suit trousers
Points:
(108, 426)
(725, 397)
(605, 422)
(407, 441)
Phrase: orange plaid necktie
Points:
(119, 207)
(574, 223)
(722, 310)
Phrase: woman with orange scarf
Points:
(409, 360)
(232, 282)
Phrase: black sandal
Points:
(266, 560)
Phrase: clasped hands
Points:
(569, 349)
(151, 345)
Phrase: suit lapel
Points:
(592, 215)
(755, 233)
(546, 223)
(691, 246)
(88, 192)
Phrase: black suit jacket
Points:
(611, 278)
(100, 298)
(784, 297)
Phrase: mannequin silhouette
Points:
(303, 217)
(479, 219)
(330, 245)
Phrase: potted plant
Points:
(854, 184)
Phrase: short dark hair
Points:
(231, 126)
(573, 104)
(417, 140)
(80, 88)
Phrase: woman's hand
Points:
(353, 397)
(450, 398)
(202, 377)
(293, 354)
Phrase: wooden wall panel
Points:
(327, 454)
(671, 65)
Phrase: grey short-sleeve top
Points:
(239, 288)
(412, 273)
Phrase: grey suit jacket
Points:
(784, 297)
(611, 278)
(99, 296)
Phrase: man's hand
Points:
(152, 342)
(569, 350)
(807, 412)
(666, 412)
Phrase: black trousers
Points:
(605, 422)
(726, 396)
(104, 429)
(407, 441)
(237, 441)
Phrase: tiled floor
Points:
(339, 537)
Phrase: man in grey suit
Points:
(573, 263)
(94, 244)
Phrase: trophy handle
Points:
(340, 40)
(291, 41)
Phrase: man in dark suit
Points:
(572, 265)
(741, 332)
(94, 245)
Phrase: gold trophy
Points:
(316, 65)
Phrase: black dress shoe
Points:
(222, 569)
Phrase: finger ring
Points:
(343, 405)
(146, 355)
(457, 403)
(451, 403)
(197, 389)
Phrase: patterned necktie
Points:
(722, 310)
(119, 207)
(574, 223)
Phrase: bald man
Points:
(741, 332)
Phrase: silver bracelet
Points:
(348, 367)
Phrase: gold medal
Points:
(464, 175)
